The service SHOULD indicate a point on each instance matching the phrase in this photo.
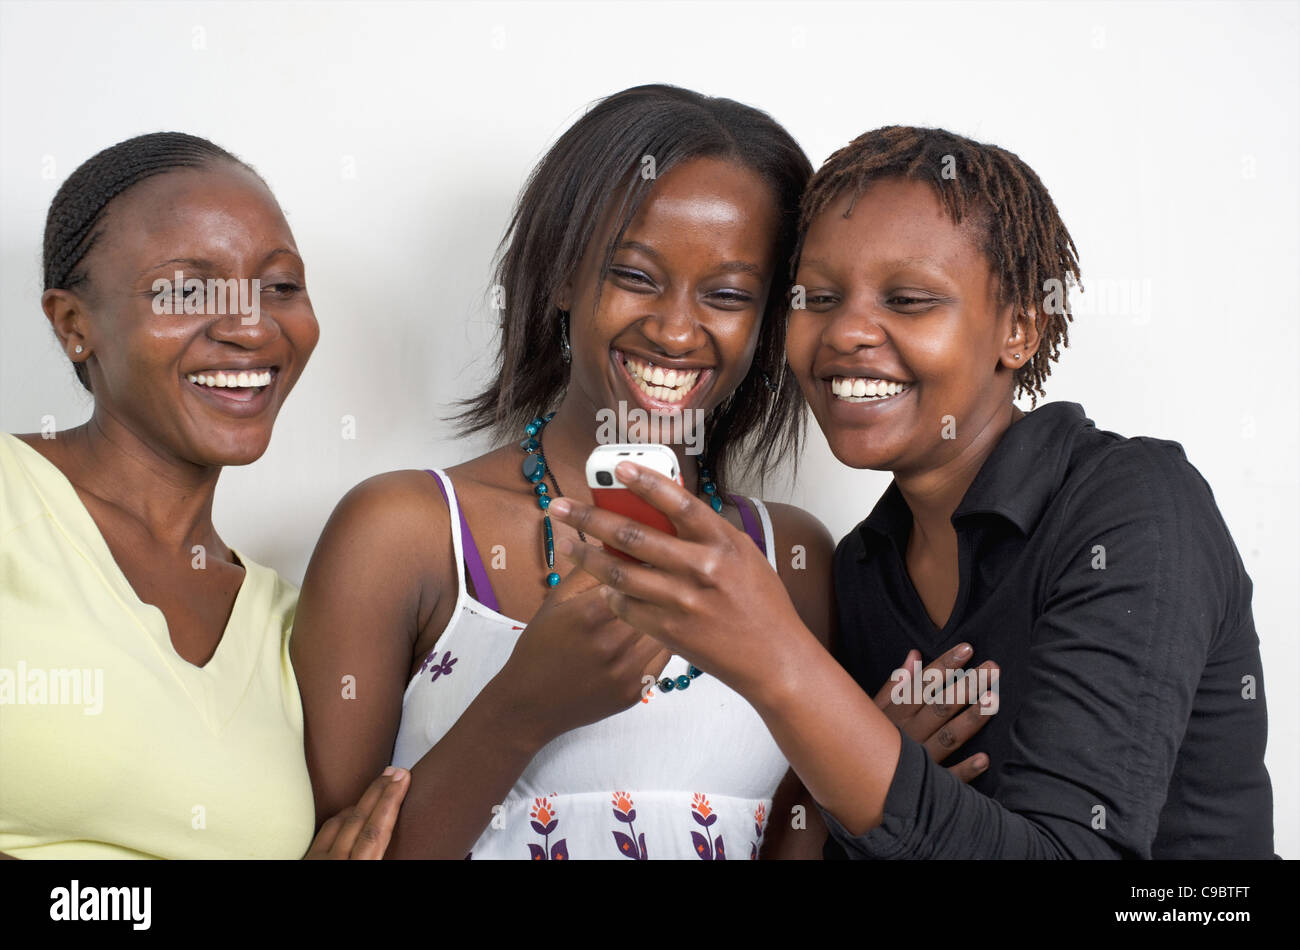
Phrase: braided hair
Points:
(75, 221)
(1024, 239)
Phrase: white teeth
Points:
(665, 385)
(862, 389)
(241, 379)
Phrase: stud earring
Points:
(78, 348)
(566, 352)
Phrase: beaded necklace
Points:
(536, 470)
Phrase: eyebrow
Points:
(726, 267)
(927, 262)
(199, 263)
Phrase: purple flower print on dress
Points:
(544, 822)
(704, 815)
(625, 812)
(438, 667)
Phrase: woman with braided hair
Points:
(932, 288)
(150, 710)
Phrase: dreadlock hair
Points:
(1024, 239)
(598, 161)
(75, 221)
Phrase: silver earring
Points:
(566, 352)
(78, 348)
(1017, 356)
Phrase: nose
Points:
(852, 327)
(674, 326)
(249, 325)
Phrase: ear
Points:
(563, 296)
(1022, 340)
(70, 318)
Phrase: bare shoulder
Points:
(395, 506)
(804, 554)
(793, 525)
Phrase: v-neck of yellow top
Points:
(215, 687)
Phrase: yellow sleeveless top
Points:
(111, 744)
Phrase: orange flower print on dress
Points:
(760, 815)
(704, 816)
(544, 822)
(630, 845)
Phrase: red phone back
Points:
(623, 502)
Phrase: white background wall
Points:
(1167, 134)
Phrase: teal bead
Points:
(716, 502)
(534, 468)
(543, 502)
(531, 429)
(549, 416)
(552, 579)
(710, 488)
(666, 685)
(694, 672)
(529, 445)
(683, 682)
(541, 488)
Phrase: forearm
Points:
(835, 738)
(456, 783)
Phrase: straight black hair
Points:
(598, 160)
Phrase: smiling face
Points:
(674, 324)
(177, 380)
(903, 330)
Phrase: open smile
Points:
(240, 392)
(659, 389)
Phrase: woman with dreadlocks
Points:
(150, 710)
(931, 289)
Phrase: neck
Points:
(933, 494)
(170, 497)
(571, 436)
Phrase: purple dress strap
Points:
(752, 527)
(482, 587)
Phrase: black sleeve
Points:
(1136, 592)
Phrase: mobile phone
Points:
(612, 495)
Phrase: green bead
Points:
(716, 502)
(552, 579)
(683, 682)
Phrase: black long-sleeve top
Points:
(1098, 573)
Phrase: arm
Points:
(1114, 662)
(1115, 665)
(804, 549)
(375, 580)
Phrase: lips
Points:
(238, 400)
(677, 387)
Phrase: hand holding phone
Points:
(612, 495)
